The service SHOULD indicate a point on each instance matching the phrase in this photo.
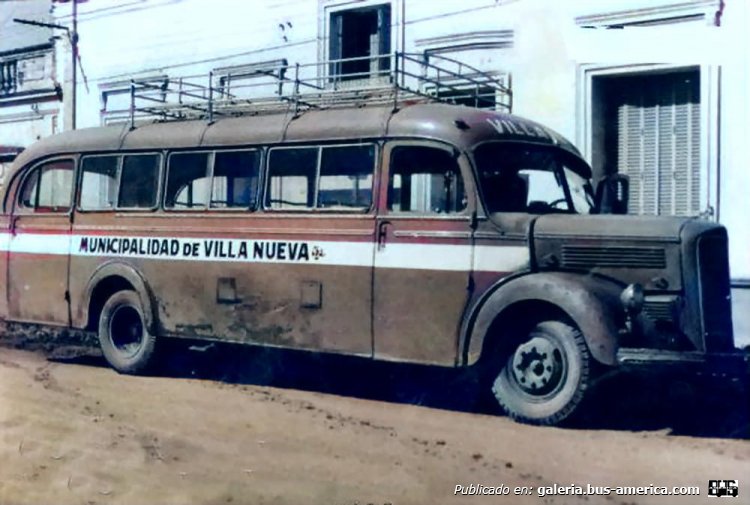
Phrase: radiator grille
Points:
(713, 265)
(616, 257)
(659, 310)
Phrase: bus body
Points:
(428, 233)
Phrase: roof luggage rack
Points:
(275, 86)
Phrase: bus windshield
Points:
(532, 179)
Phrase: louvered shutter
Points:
(659, 143)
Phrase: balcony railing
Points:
(8, 77)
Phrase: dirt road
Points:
(79, 433)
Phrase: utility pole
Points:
(73, 37)
(74, 61)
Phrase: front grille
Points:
(715, 294)
(659, 310)
(615, 257)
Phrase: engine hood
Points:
(610, 227)
(644, 249)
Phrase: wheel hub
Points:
(126, 330)
(537, 366)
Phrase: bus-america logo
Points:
(188, 248)
(723, 488)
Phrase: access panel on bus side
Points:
(423, 257)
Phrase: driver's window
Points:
(425, 180)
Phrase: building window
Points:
(648, 127)
(362, 38)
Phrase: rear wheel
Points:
(124, 338)
(544, 376)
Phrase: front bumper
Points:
(729, 365)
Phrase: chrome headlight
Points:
(632, 298)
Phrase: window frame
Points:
(326, 46)
(259, 189)
(465, 170)
(377, 149)
(159, 173)
(210, 171)
(165, 181)
(79, 181)
(19, 209)
(120, 163)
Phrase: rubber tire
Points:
(143, 359)
(560, 404)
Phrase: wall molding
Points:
(692, 10)
(474, 39)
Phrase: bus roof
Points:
(461, 126)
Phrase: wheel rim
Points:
(538, 367)
(126, 330)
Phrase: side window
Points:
(98, 182)
(346, 177)
(425, 180)
(139, 181)
(331, 177)
(291, 178)
(187, 181)
(235, 180)
(48, 188)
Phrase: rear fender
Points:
(133, 277)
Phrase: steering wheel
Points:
(553, 204)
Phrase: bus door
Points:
(423, 254)
(39, 244)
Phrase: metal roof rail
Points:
(274, 86)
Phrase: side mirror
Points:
(612, 194)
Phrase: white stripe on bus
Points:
(444, 257)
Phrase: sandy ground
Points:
(75, 432)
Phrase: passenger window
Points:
(425, 180)
(291, 178)
(48, 188)
(235, 181)
(187, 181)
(139, 181)
(98, 182)
(346, 177)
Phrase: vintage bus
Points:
(423, 233)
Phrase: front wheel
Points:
(544, 377)
(124, 338)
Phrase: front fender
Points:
(592, 303)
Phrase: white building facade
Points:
(657, 90)
(30, 93)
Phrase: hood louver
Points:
(613, 257)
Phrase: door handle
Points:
(382, 234)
